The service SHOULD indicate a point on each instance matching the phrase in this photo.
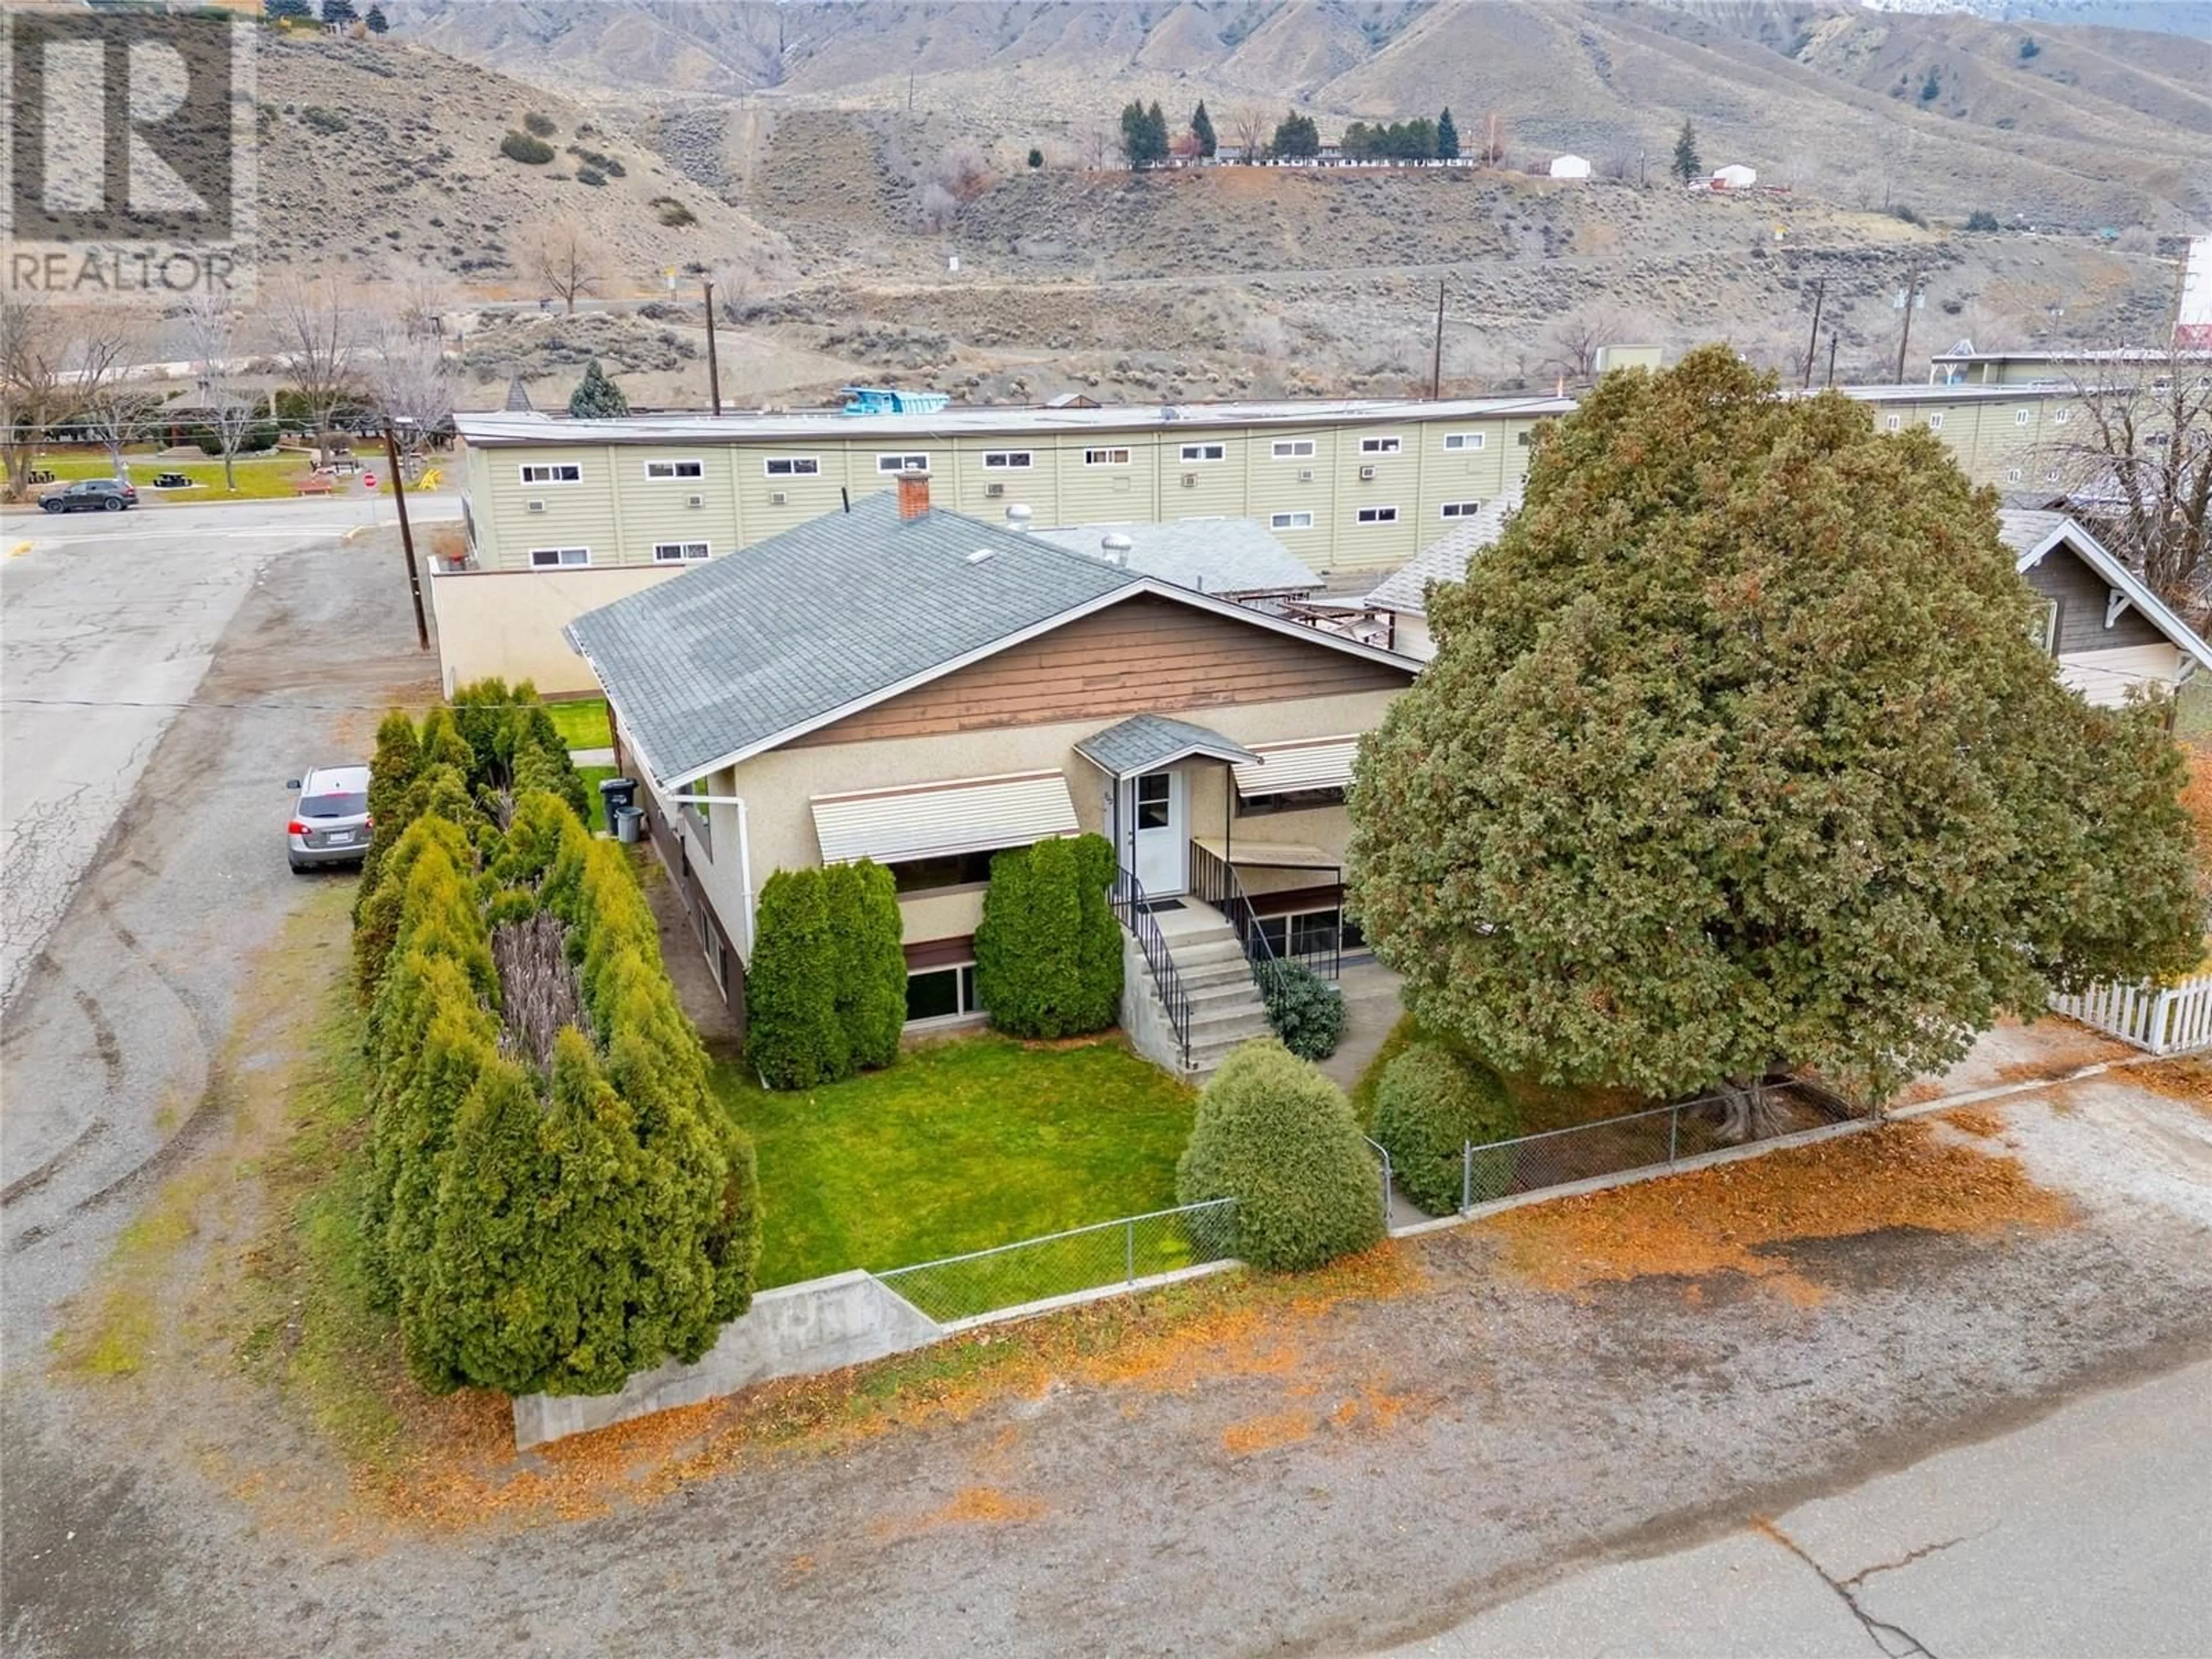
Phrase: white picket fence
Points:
(2168, 1020)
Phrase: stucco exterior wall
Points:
(508, 623)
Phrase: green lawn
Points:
(258, 478)
(582, 724)
(959, 1146)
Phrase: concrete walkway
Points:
(592, 756)
(1370, 1013)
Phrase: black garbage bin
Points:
(630, 824)
(615, 794)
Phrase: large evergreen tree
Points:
(597, 398)
(1447, 137)
(1688, 167)
(1201, 128)
(1297, 138)
(1737, 751)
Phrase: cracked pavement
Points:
(2091, 1518)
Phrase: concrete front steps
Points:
(1226, 1009)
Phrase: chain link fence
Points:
(1657, 1138)
(1060, 1264)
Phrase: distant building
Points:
(1570, 167)
(2192, 323)
(1736, 176)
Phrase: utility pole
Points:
(1833, 336)
(406, 535)
(713, 364)
(1904, 334)
(1812, 345)
(1437, 354)
(1642, 181)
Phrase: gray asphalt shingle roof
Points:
(1143, 742)
(1214, 555)
(2023, 530)
(1445, 559)
(751, 645)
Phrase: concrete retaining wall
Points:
(796, 1330)
(1144, 1016)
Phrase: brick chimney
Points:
(913, 493)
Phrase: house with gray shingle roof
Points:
(1401, 597)
(2111, 633)
(909, 684)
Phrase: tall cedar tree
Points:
(1048, 949)
(1688, 167)
(1201, 128)
(378, 22)
(597, 398)
(1297, 138)
(794, 1037)
(1737, 749)
(1447, 137)
(870, 969)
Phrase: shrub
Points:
(521, 147)
(592, 159)
(1036, 158)
(1981, 219)
(590, 176)
(793, 1038)
(1431, 1103)
(1277, 1136)
(1907, 212)
(869, 968)
(324, 120)
(540, 126)
(673, 213)
(1306, 1011)
(254, 439)
(1048, 950)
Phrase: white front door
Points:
(1153, 820)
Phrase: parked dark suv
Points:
(91, 495)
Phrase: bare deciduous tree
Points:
(1250, 123)
(33, 349)
(408, 376)
(112, 405)
(2136, 461)
(564, 257)
(1491, 141)
(1573, 343)
(315, 332)
(213, 344)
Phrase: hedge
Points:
(868, 960)
(1277, 1136)
(1048, 949)
(794, 1037)
(1305, 1010)
(1431, 1103)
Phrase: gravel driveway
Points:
(1329, 1478)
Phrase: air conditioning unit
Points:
(995, 490)
(778, 498)
(694, 500)
(537, 507)
(1190, 481)
(1305, 475)
(1367, 474)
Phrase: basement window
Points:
(938, 994)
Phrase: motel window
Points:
(1524, 437)
(2020, 417)
(1293, 449)
(1893, 423)
(793, 466)
(941, 994)
(1203, 451)
(2050, 476)
(537, 472)
(1290, 521)
(1378, 515)
(1459, 509)
(1380, 446)
(2061, 416)
(1105, 457)
(998, 459)
(676, 469)
(677, 552)
(2012, 475)
(552, 558)
(902, 463)
(1934, 422)
(1459, 440)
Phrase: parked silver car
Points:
(329, 822)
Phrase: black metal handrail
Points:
(1130, 906)
(1214, 879)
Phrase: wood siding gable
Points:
(1143, 654)
(2082, 594)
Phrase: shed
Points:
(1570, 167)
(1734, 176)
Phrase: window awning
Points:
(1313, 763)
(939, 820)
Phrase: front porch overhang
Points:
(1146, 743)
(1271, 855)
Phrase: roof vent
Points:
(1017, 517)
(1116, 546)
(982, 553)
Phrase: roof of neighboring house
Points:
(833, 616)
(1214, 555)
(1444, 560)
(1144, 743)
(2031, 535)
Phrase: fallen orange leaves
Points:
(2188, 1081)
(1737, 1217)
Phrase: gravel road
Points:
(1369, 1474)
